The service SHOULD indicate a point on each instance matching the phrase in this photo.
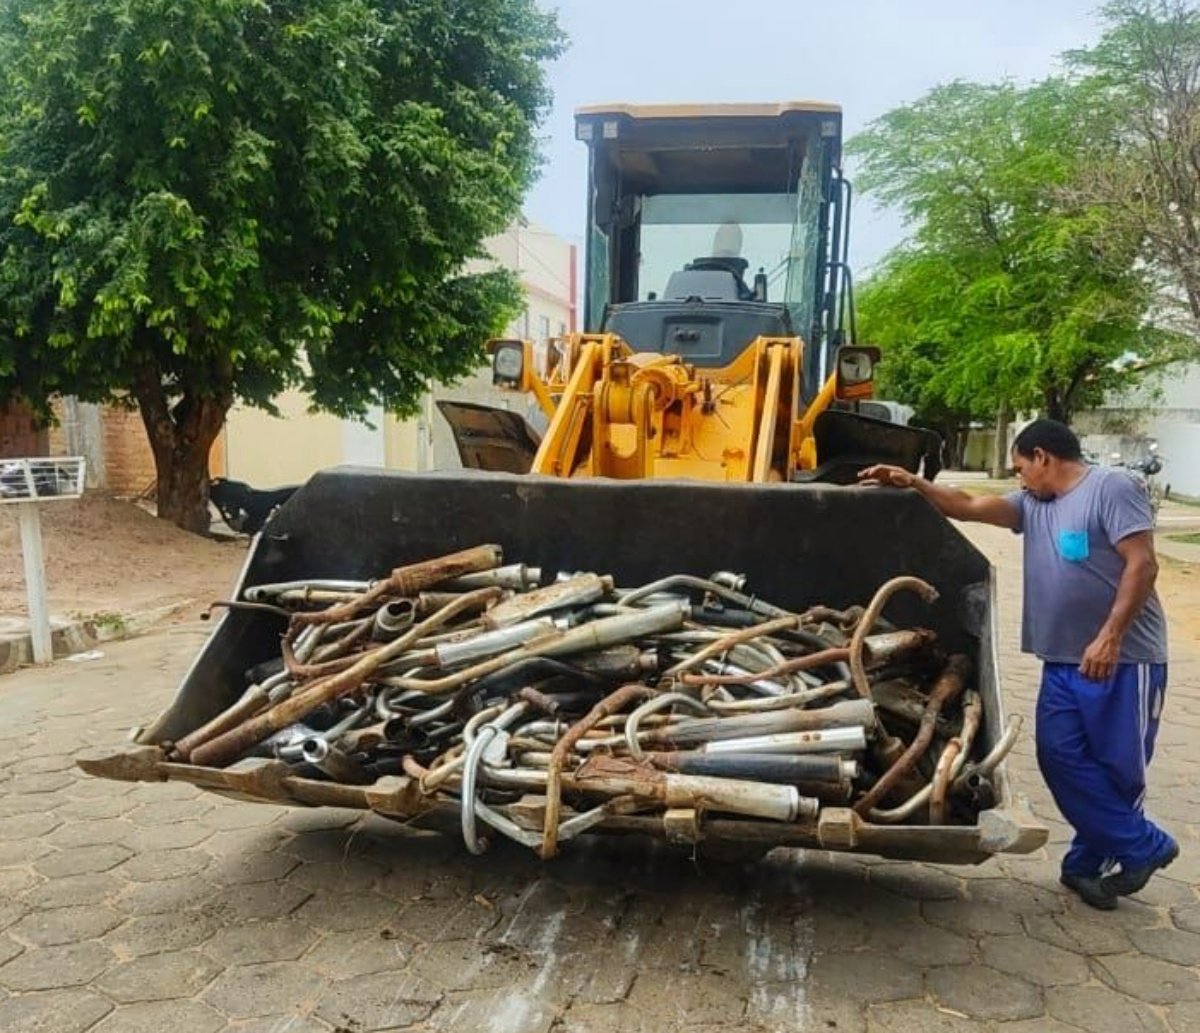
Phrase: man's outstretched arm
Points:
(951, 502)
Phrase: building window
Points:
(543, 328)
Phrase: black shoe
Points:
(1133, 880)
(1091, 890)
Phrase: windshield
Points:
(680, 228)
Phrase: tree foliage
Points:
(209, 200)
(1009, 294)
(1147, 67)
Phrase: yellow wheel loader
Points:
(704, 421)
(719, 329)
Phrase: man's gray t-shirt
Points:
(1072, 568)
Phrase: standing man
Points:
(1091, 615)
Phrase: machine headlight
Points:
(508, 364)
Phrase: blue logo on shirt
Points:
(1073, 546)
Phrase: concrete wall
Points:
(112, 439)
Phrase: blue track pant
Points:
(1094, 743)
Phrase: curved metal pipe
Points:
(858, 669)
(652, 706)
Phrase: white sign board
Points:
(29, 482)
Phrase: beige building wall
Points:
(271, 451)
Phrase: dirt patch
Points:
(105, 556)
(1179, 589)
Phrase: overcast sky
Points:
(867, 55)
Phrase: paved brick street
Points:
(156, 907)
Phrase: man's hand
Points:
(892, 476)
(1101, 656)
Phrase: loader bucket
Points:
(798, 544)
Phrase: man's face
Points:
(1034, 473)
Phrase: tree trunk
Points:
(181, 437)
(953, 445)
(1055, 410)
(1000, 464)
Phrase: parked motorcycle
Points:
(1146, 470)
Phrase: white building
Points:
(1166, 409)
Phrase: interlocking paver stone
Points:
(161, 1016)
(73, 891)
(1100, 1010)
(257, 900)
(930, 945)
(468, 964)
(383, 1001)
(158, 865)
(171, 896)
(246, 867)
(1158, 982)
(154, 815)
(500, 1010)
(38, 784)
(76, 834)
(66, 925)
(250, 943)
(1047, 966)
(22, 851)
(1078, 933)
(980, 919)
(250, 991)
(585, 1018)
(1187, 917)
(58, 1011)
(51, 968)
(916, 1017)
(1168, 944)
(918, 881)
(291, 1023)
(866, 976)
(156, 934)
(341, 912)
(695, 998)
(82, 860)
(984, 993)
(1185, 1017)
(344, 955)
(9, 948)
(17, 880)
(1038, 1025)
(177, 836)
(159, 977)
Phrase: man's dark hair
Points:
(1052, 437)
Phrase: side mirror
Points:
(508, 363)
(855, 367)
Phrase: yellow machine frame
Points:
(629, 415)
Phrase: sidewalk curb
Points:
(80, 636)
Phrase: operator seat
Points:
(731, 264)
(713, 278)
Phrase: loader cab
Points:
(710, 225)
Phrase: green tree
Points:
(1029, 294)
(1147, 66)
(210, 200)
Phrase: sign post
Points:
(27, 483)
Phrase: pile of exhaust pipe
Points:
(543, 711)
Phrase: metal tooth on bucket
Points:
(542, 712)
